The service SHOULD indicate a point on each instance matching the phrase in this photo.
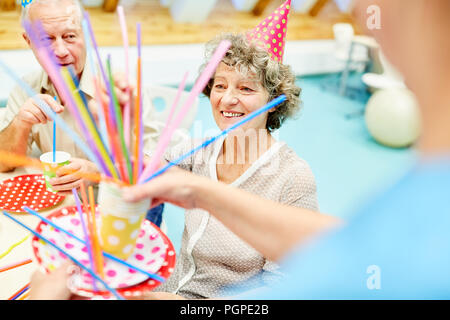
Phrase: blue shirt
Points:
(397, 247)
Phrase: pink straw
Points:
(126, 111)
(175, 102)
(196, 90)
(140, 141)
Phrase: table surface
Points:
(10, 233)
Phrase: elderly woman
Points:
(250, 158)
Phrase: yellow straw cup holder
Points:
(120, 221)
(61, 159)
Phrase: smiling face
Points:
(62, 23)
(233, 96)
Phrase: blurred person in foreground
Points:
(397, 246)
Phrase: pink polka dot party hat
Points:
(271, 33)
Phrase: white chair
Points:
(191, 11)
(155, 119)
(350, 49)
(244, 5)
(388, 78)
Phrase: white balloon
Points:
(393, 117)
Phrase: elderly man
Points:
(25, 122)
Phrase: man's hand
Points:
(30, 113)
(124, 92)
(14, 138)
(65, 182)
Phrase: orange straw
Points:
(15, 265)
(84, 198)
(137, 124)
(98, 257)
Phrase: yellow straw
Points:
(13, 246)
(90, 126)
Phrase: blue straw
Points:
(114, 292)
(20, 293)
(252, 115)
(107, 255)
(91, 64)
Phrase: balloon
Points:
(393, 117)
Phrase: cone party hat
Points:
(271, 33)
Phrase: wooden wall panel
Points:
(159, 28)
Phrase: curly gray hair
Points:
(275, 77)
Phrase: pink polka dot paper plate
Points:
(27, 190)
(153, 253)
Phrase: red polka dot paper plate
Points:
(27, 190)
(153, 253)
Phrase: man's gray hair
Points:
(25, 15)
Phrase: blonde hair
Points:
(275, 77)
